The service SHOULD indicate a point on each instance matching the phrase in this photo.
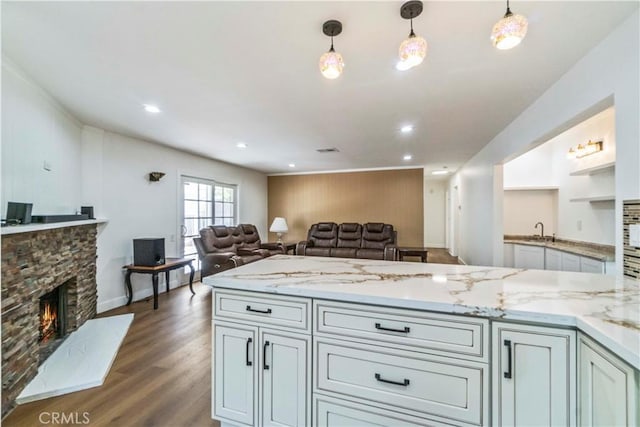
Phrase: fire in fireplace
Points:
(53, 315)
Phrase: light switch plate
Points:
(634, 235)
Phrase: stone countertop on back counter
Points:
(590, 250)
(605, 307)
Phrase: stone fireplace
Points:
(45, 273)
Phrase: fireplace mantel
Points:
(29, 228)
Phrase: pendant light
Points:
(509, 31)
(331, 63)
(414, 49)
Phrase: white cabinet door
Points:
(553, 259)
(570, 262)
(285, 390)
(508, 255)
(534, 376)
(589, 265)
(235, 374)
(607, 389)
(528, 257)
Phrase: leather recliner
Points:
(374, 240)
(221, 248)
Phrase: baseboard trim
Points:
(435, 245)
(461, 261)
(138, 295)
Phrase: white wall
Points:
(524, 209)
(109, 171)
(136, 207)
(36, 129)
(548, 165)
(434, 212)
(608, 72)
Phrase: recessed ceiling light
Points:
(407, 157)
(441, 172)
(406, 129)
(292, 165)
(151, 108)
(241, 145)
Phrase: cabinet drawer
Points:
(437, 333)
(289, 312)
(403, 381)
(332, 412)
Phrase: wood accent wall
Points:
(391, 196)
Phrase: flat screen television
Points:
(19, 213)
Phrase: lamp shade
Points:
(279, 225)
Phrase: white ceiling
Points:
(224, 72)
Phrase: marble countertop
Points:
(29, 228)
(572, 247)
(605, 307)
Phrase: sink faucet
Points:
(541, 228)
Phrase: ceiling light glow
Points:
(407, 157)
(292, 165)
(241, 145)
(151, 108)
(440, 172)
(406, 129)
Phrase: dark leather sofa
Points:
(373, 240)
(221, 248)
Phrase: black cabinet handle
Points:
(249, 341)
(382, 380)
(508, 344)
(264, 355)
(404, 331)
(267, 311)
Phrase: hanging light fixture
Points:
(331, 63)
(414, 49)
(509, 31)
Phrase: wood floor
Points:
(161, 376)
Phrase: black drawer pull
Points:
(508, 373)
(382, 380)
(264, 355)
(249, 363)
(404, 331)
(267, 311)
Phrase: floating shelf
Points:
(531, 188)
(594, 199)
(605, 167)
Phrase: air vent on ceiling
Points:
(327, 150)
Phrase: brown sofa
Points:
(373, 240)
(221, 248)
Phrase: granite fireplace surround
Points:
(33, 264)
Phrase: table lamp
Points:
(279, 226)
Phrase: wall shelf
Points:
(532, 188)
(593, 199)
(605, 167)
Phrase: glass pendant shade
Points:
(509, 31)
(412, 51)
(331, 64)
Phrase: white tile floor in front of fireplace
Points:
(82, 361)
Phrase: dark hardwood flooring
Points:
(161, 375)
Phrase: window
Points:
(204, 203)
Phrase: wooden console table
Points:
(421, 252)
(170, 264)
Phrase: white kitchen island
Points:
(346, 342)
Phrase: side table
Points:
(406, 251)
(170, 264)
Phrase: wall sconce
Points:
(155, 176)
(584, 150)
